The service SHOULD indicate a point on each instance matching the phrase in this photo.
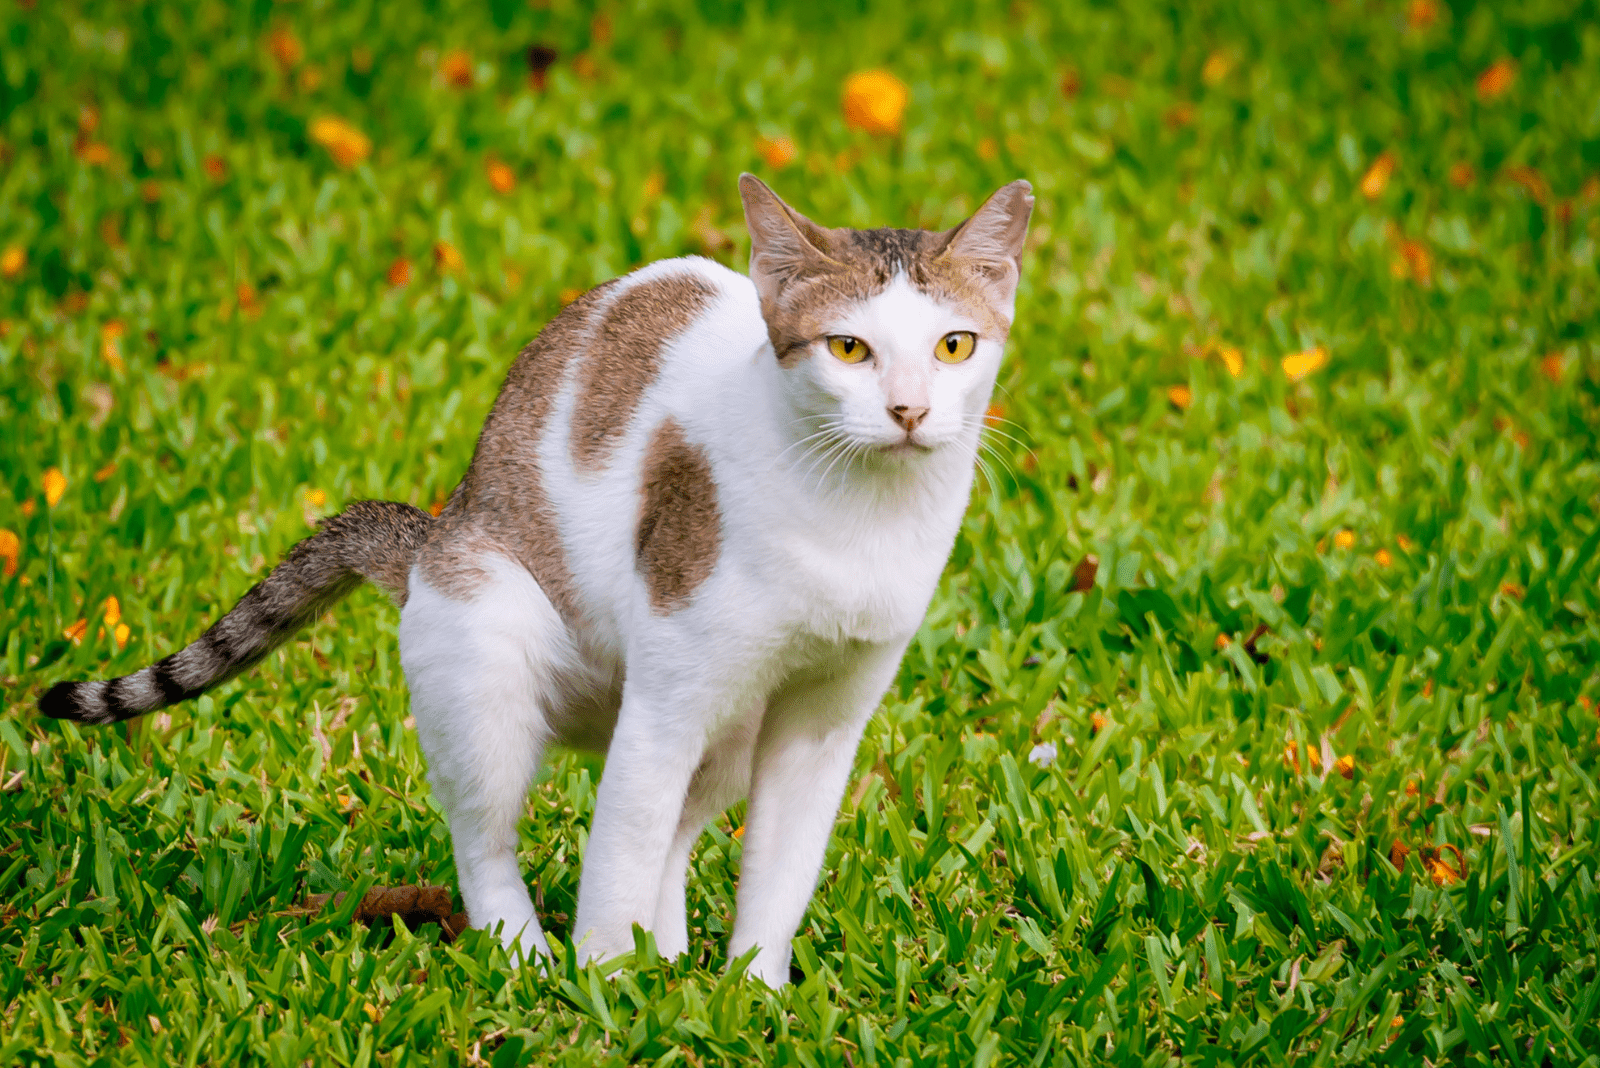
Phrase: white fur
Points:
(762, 684)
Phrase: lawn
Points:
(1253, 720)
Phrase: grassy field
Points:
(1306, 362)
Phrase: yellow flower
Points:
(113, 612)
(1345, 539)
(1216, 68)
(1384, 557)
(55, 484)
(346, 144)
(1346, 766)
(316, 498)
(121, 634)
(1180, 396)
(1300, 364)
(875, 101)
(10, 549)
(1232, 359)
(13, 260)
(111, 343)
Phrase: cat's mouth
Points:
(906, 446)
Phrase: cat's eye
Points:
(955, 346)
(847, 348)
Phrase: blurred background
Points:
(1283, 555)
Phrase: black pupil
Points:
(950, 343)
(849, 344)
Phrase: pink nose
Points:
(908, 416)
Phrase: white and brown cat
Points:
(704, 518)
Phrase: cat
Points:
(705, 516)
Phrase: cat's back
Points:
(632, 364)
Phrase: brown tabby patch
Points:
(680, 528)
(624, 357)
(501, 505)
(866, 262)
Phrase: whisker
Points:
(999, 458)
(824, 432)
(834, 449)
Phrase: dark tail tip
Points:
(61, 702)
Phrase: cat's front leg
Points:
(654, 751)
(802, 761)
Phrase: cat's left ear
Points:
(991, 240)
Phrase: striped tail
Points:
(370, 540)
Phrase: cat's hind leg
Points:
(481, 669)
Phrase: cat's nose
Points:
(908, 416)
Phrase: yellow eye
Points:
(955, 346)
(848, 349)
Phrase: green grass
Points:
(1172, 888)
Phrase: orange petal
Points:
(456, 66)
(55, 484)
(1346, 766)
(121, 634)
(1377, 176)
(113, 614)
(1384, 557)
(10, 549)
(1180, 396)
(1344, 539)
(75, 633)
(1216, 68)
(1232, 359)
(1300, 364)
(777, 152)
(316, 498)
(1554, 367)
(1421, 14)
(1495, 81)
(447, 257)
(875, 101)
(285, 48)
(501, 177)
(13, 260)
(399, 272)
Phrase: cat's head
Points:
(890, 339)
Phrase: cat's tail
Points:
(370, 540)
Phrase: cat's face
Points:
(890, 339)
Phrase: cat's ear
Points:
(784, 245)
(991, 240)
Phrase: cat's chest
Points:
(870, 585)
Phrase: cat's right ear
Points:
(784, 245)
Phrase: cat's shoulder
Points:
(668, 296)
